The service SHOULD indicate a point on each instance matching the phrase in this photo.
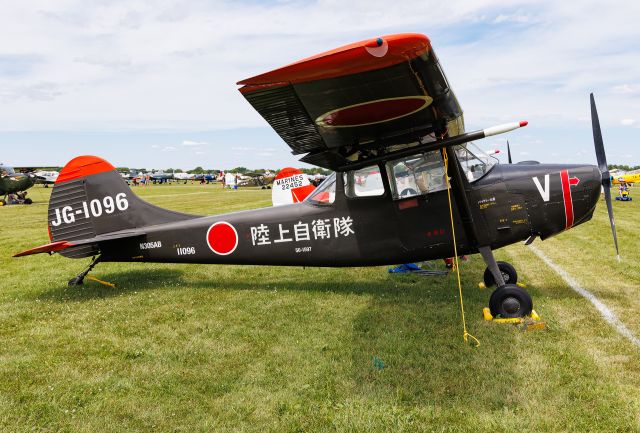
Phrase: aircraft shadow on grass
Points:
(136, 280)
(441, 290)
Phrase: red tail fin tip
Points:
(82, 166)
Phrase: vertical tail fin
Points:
(90, 198)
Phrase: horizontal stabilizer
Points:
(48, 248)
(61, 245)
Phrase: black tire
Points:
(28, 201)
(510, 301)
(509, 274)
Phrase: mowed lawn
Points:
(195, 348)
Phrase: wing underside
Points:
(358, 101)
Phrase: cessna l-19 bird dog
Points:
(382, 115)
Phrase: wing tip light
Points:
(506, 127)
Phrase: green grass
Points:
(229, 348)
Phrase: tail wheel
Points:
(509, 274)
(510, 301)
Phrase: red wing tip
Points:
(345, 60)
(523, 123)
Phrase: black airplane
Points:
(408, 184)
(13, 186)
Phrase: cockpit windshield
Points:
(325, 192)
(474, 161)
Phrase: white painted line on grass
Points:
(608, 315)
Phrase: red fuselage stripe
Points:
(566, 197)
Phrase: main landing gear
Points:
(508, 299)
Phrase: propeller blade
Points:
(509, 152)
(604, 170)
(597, 138)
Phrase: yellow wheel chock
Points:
(531, 322)
(482, 285)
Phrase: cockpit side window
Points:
(475, 163)
(365, 182)
(325, 193)
(417, 175)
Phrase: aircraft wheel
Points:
(510, 301)
(28, 201)
(509, 274)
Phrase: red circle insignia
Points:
(222, 238)
(373, 112)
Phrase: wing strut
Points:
(434, 145)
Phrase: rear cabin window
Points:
(365, 182)
(417, 175)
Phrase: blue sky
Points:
(152, 84)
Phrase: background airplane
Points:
(184, 176)
(256, 179)
(627, 178)
(160, 176)
(13, 186)
(46, 178)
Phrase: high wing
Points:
(358, 101)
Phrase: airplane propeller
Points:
(509, 153)
(604, 169)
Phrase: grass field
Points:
(194, 348)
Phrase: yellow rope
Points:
(466, 335)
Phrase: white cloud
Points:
(169, 149)
(516, 18)
(626, 88)
(193, 143)
(628, 122)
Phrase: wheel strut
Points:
(488, 258)
(78, 280)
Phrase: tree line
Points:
(240, 170)
(623, 167)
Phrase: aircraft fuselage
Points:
(508, 204)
